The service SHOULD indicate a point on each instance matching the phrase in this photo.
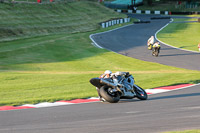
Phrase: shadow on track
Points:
(125, 101)
(181, 54)
(175, 96)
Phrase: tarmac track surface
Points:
(132, 41)
(169, 111)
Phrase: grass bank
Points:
(23, 20)
(184, 35)
(59, 66)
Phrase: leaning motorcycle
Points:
(124, 89)
(155, 51)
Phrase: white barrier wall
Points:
(118, 10)
(114, 22)
(138, 11)
(147, 12)
(156, 12)
(130, 11)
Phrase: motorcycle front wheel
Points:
(108, 95)
(155, 52)
(149, 47)
(140, 93)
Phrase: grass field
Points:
(29, 20)
(58, 66)
(182, 35)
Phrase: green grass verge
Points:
(59, 67)
(182, 35)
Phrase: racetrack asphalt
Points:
(169, 111)
(132, 41)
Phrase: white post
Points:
(110, 24)
(121, 21)
(106, 24)
(138, 11)
(156, 12)
(118, 10)
(115, 22)
(130, 11)
(147, 12)
(118, 21)
(125, 20)
(103, 25)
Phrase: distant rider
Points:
(156, 45)
(150, 42)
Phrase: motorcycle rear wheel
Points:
(155, 52)
(109, 97)
(140, 93)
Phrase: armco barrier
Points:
(114, 22)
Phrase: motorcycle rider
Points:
(156, 45)
(106, 74)
(150, 42)
(109, 74)
(116, 77)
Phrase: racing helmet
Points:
(107, 72)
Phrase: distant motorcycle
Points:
(125, 89)
(149, 46)
(156, 49)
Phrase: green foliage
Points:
(170, 5)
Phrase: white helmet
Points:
(107, 72)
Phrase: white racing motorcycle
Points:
(124, 89)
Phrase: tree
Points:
(149, 2)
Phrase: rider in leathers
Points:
(114, 76)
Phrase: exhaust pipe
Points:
(107, 83)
